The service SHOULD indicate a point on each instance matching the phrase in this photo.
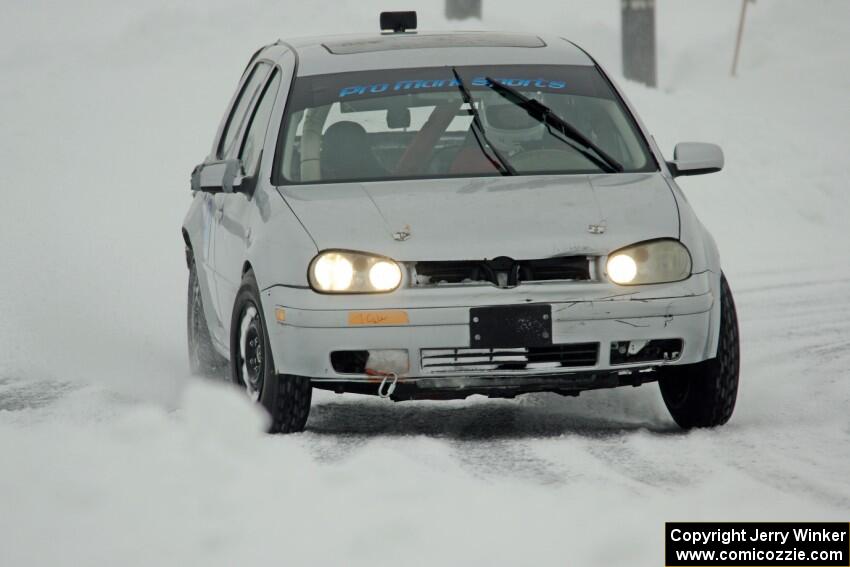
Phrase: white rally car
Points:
(436, 215)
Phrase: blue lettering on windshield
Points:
(417, 84)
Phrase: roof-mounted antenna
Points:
(398, 22)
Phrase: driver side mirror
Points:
(221, 176)
(695, 158)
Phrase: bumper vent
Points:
(658, 350)
(503, 272)
(478, 359)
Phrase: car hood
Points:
(462, 219)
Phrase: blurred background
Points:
(107, 105)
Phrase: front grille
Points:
(449, 272)
(503, 272)
(483, 359)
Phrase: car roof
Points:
(363, 52)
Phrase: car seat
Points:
(347, 153)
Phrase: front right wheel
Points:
(704, 394)
(285, 397)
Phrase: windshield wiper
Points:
(544, 114)
(498, 161)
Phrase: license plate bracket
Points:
(510, 326)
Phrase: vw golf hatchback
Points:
(436, 215)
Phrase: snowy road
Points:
(112, 454)
(548, 473)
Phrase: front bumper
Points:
(438, 318)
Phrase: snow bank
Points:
(204, 486)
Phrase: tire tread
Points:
(713, 384)
(210, 363)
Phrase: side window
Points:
(256, 131)
(243, 102)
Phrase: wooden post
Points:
(740, 36)
(638, 39)
(462, 9)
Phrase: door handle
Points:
(219, 213)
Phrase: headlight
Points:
(337, 271)
(659, 261)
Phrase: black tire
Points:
(204, 360)
(704, 394)
(285, 397)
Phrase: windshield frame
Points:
(279, 180)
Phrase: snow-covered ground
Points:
(111, 454)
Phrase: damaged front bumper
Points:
(602, 336)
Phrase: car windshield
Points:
(414, 124)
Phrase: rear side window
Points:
(243, 103)
(256, 131)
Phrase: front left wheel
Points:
(704, 394)
(285, 397)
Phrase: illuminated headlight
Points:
(337, 271)
(658, 261)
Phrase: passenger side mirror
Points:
(695, 158)
(219, 176)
